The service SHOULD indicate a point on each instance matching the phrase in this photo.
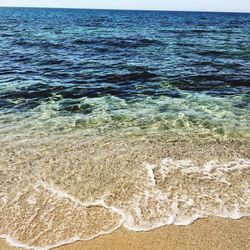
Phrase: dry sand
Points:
(210, 233)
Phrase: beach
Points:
(124, 129)
(69, 198)
(211, 233)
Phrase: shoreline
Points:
(47, 180)
(55, 191)
(209, 233)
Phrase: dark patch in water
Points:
(83, 41)
(51, 62)
(40, 91)
(119, 42)
(116, 78)
(213, 53)
(76, 107)
(199, 31)
(41, 44)
(5, 104)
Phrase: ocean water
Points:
(117, 118)
(85, 69)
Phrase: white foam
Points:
(32, 200)
(62, 194)
(18, 244)
(150, 173)
(155, 207)
(15, 243)
(212, 170)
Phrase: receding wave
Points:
(170, 192)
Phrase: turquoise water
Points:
(96, 71)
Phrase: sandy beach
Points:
(57, 215)
(210, 233)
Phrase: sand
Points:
(114, 163)
(209, 233)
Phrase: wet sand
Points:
(45, 182)
(210, 233)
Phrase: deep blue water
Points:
(69, 57)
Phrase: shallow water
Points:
(120, 118)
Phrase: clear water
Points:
(62, 70)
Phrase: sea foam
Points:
(173, 192)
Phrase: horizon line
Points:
(160, 10)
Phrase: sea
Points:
(115, 118)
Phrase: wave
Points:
(52, 61)
(137, 76)
(208, 81)
(41, 44)
(118, 42)
(215, 53)
(171, 192)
